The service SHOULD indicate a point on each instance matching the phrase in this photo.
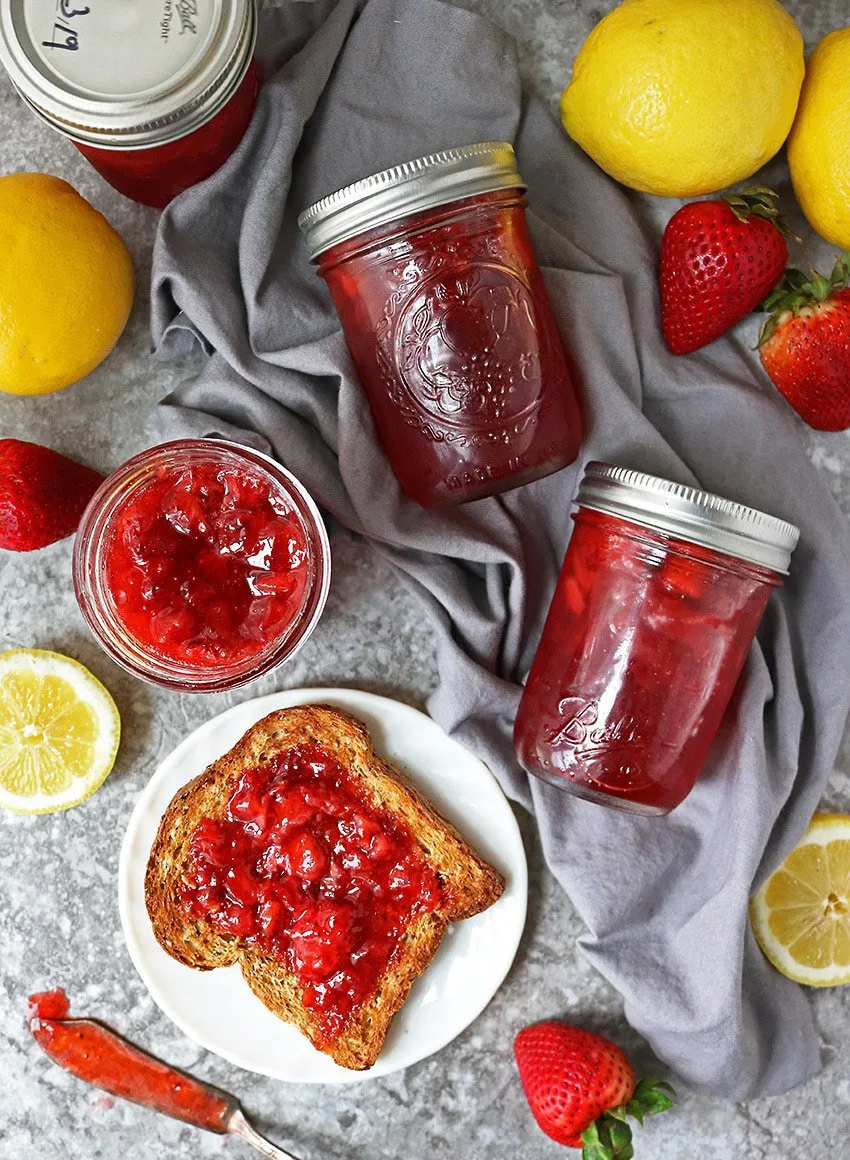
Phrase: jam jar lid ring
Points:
(689, 513)
(165, 95)
(409, 188)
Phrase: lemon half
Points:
(59, 732)
(801, 915)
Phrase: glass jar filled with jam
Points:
(432, 271)
(201, 564)
(661, 592)
(156, 96)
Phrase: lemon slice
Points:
(59, 732)
(801, 915)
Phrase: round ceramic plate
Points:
(217, 1009)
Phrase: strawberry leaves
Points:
(798, 290)
(652, 1096)
(610, 1137)
(759, 201)
(607, 1139)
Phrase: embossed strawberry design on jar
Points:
(468, 344)
(433, 274)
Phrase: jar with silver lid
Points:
(156, 95)
(659, 598)
(432, 271)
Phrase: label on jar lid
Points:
(126, 73)
(119, 48)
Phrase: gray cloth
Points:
(361, 86)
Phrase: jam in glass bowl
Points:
(201, 564)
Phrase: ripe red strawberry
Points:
(42, 495)
(718, 261)
(581, 1087)
(805, 344)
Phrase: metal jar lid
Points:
(689, 514)
(124, 74)
(408, 189)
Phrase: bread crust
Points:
(470, 885)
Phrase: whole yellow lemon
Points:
(819, 145)
(66, 285)
(682, 97)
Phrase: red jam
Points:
(450, 327)
(643, 645)
(90, 1051)
(155, 175)
(208, 564)
(305, 867)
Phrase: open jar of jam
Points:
(156, 96)
(201, 564)
(432, 271)
(661, 592)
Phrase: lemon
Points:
(59, 732)
(682, 97)
(66, 285)
(819, 145)
(801, 915)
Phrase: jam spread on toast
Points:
(303, 866)
(90, 1051)
(208, 565)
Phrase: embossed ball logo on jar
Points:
(468, 349)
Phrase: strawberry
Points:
(804, 344)
(718, 261)
(581, 1087)
(42, 495)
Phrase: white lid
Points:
(142, 71)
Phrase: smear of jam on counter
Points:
(90, 1051)
(303, 866)
(208, 565)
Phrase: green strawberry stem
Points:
(797, 290)
(759, 201)
(609, 1137)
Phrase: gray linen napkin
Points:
(363, 85)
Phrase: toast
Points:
(466, 884)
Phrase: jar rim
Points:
(168, 108)
(689, 513)
(409, 188)
(92, 541)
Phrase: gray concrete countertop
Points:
(58, 911)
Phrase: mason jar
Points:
(433, 274)
(659, 598)
(201, 564)
(155, 95)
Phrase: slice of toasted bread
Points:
(469, 885)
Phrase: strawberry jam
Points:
(305, 867)
(645, 639)
(208, 563)
(449, 323)
(201, 564)
(92, 1052)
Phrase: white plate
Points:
(217, 1009)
